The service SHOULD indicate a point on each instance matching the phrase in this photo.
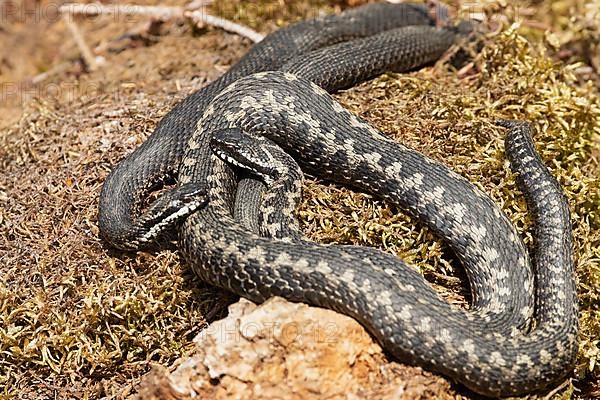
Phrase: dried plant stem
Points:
(52, 71)
(201, 18)
(86, 53)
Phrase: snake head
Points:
(258, 155)
(163, 215)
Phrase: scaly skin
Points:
(387, 296)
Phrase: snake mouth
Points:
(170, 209)
(224, 156)
(243, 151)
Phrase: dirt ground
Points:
(80, 320)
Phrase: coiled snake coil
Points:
(485, 348)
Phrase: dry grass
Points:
(79, 320)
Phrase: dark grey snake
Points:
(388, 297)
(483, 347)
(119, 218)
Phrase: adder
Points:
(119, 218)
(384, 47)
(388, 297)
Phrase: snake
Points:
(485, 347)
(124, 224)
(340, 65)
(388, 297)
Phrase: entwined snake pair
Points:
(487, 348)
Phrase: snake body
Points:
(484, 348)
(388, 297)
(120, 220)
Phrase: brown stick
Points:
(86, 53)
(201, 18)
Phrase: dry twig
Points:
(201, 18)
(91, 61)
